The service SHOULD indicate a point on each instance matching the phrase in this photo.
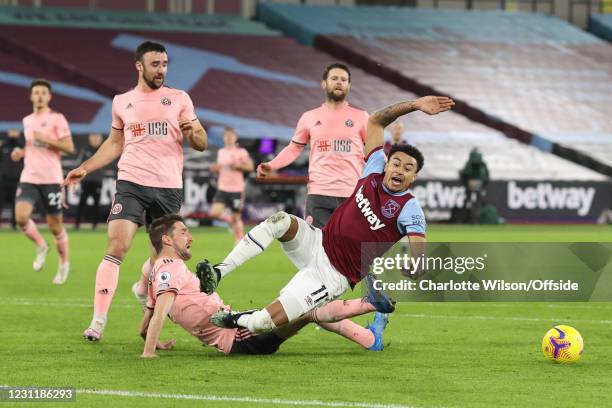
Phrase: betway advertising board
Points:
(537, 201)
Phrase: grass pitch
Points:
(438, 354)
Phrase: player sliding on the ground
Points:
(175, 291)
(379, 212)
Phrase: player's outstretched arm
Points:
(195, 134)
(106, 153)
(154, 327)
(382, 118)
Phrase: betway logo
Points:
(435, 194)
(364, 205)
(544, 196)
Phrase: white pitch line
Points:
(24, 302)
(508, 318)
(248, 400)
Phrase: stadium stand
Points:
(533, 77)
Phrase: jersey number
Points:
(55, 199)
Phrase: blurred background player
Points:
(380, 211)
(149, 123)
(232, 162)
(397, 136)
(336, 133)
(91, 186)
(47, 134)
(9, 172)
(175, 291)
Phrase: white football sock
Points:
(255, 241)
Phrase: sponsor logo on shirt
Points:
(149, 129)
(129, 106)
(390, 208)
(364, 205)
(336, 145)
(349, 123)
(318, 123)
(165, 101)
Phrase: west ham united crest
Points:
(349, 123)
(390, 208)
(165, 101)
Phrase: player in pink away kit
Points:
(380, 211)
(232, 162)
(336, 132)
(149, 123)
(47, 134)
(175, 291)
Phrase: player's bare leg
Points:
(237, 226)
(23, 217)
(61, 243)
(120, 235)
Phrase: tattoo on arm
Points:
(387, 115)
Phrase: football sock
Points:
(144, 277)
(352, 331)
(340, 310)
(61, 243)
(238, 228)
(31, 231)
(257, 322)
(107, 278)
(255, 241)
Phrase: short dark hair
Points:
(336, 65)
(148, 46)
(411, 151)
(162, 226)
(39, 82)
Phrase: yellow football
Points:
(562, 344)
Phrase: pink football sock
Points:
(341, 309)
(61, 243)
(352, 331)
(107, 278)
(143, 284)
(31, 231)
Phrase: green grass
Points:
(439, 354)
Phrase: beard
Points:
(332, 96)
(184, 253)
(151, 81)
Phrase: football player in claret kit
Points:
(379, 213)
(173, 290)
(47, 134)
(149, 124)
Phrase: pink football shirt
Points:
(192, 309)
(153, 147)
(42, 165)
(336, 148)
(231, 181)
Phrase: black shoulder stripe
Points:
(298, 143)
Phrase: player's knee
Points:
(21, 219)
(279, 223)
(117, 248)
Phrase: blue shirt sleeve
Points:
(375, 163)
(411, 220)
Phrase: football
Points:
(562, 344)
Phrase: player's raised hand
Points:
(433, 105)
(74, 177)
(264, 170)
